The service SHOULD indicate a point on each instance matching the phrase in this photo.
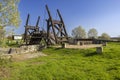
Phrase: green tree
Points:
(2, 33)
(9, 14)
(92, 33)
(105, 36)
(79, 32)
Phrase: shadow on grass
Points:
(91, 54)
(58, 48)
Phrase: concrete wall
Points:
(25, 49)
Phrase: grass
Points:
(68, 64)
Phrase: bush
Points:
(9, 43)
(3, 61)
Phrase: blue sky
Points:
(104, 15)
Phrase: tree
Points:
(2, 34)
(9, 14)
(105, 36)
(92, 33)
(78, 32)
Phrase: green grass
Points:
(68, 64)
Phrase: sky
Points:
(103, 15)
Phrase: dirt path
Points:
(23, 56)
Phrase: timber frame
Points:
(56, 28)
(32, 34)
(55, 33)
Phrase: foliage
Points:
(3, 43)
(10, 43)
(9, 15)
(105, 36)
(92, 33)
(79, 32)
(2, 34)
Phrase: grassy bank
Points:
(67, 64)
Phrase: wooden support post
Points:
(63, 23)
(57, 27)
(37, 23)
